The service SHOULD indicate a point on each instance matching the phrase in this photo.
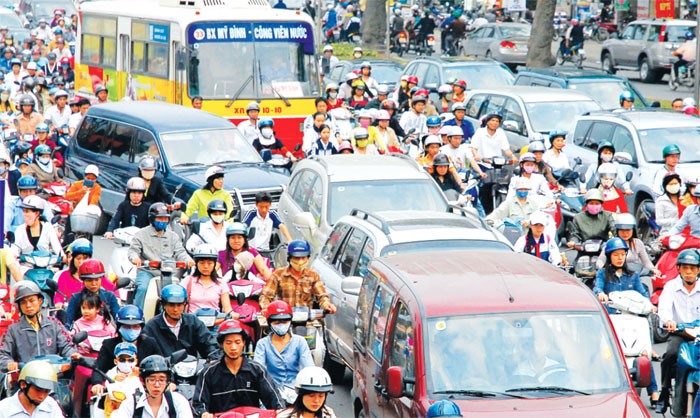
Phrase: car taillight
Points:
(662, 34)
(507, 44)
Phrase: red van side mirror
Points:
(394, 385)
(641, 372)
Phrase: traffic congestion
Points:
(245, 209)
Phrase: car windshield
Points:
(386, 74)
(606, 92)
(10, 20)
(507, 353)
(45, 9)
(443, 245)
(515, 30)
(210, 147)
(652, 142)
(481, 75)
(557, 116)
(379, 195)
(676, 33)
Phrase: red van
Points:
(501, 334)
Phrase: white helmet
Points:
(205, 252)
(607, 170)
(445, 89)
(625, 221)
(92, 169)
(33, 202)
(331, 86)
(313, 379)
(688, 101)
(522, 183)
(212, 171)
(432, 139)
(364, 113)
(136, 184)
(455, 131)
(327, 48)
(539, 218)
(383, 115)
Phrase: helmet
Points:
(539, 218)
(422, 92)
(298, 248)
(527, 157)
(418, 99)
(278, 310)
(26, 288)
(434, 121)
(148, 163)
(689, 101)
(237, 228)
(444, 89)
(28, 81)
(51, 56)
(491, 116)
(228, 327)
(173, 293)
(154, 364)
(689, 35)
(33, 202)
(252, 106)
(615, 244)
(81, 246)
(136, 184)
(382, 89)
(27, 183)
(366, 64)
(691, 110)
(61, 93)
(605, 144)
(130, 315)
(92, 169)
(460, 83)
(266, 123)
(351, 76)
(91, 269)
(536, 146)
(626, 96)
(42, 127)
(432, 139)
(327, 48)
(125, 348)
(42, 150)
(216, 205)
(671, 149)
(357, 48)
(593, 194)
(607, 170)
(458, 106)
(205, 252)
(693, 181)
(389, 105)
(26, 100)
(383, 115)
(331, 86)
(212, 172)
(100, 88)
(40, 374)
(443, 408)
(364, 113)
(441, 160)
(156, 210)
(345, 145)
(412, 79)
(15, 61)
(689, 257)
(360, 133)
(58, 80)
(313, 379)
(625, 221)
(555, 134)
(454, 131)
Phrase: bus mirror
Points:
(181, 59)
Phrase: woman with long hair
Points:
(237, 243)
(312, 385)
(204, 289)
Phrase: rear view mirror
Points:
(122, 282)
(251, 233)
(655, 104)
(578, 160)
(351, 285)
(178, 356)
(306, 223)
(641, 372)
(628, 176)
(623, 158)
(394, 386)
(511, 125)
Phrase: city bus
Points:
(229, 52)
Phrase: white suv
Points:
(322, 190)
(361, 236)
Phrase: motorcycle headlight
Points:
(41, 261)
(185, 369)
(208, 321)
(591, 248)
(564, 205)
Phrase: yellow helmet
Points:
(40, 374)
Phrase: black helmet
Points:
(154, 364)
(51, 56)
(59, 80)
(29, 82)
(41, 81)
(216, 205)
(156, 210)
(441, 160)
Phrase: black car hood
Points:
(244, 176)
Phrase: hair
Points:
(197, 274)
(72, 269)
(322, 127)
(229, 259)
(318, 113)
(530, 241)
(317, 101)
(263, 197)
(667, 179)
(610, 269)
(298, 408)
(677, 99)
(93, 301)
(196, 98)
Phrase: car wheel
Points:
(335, 370)
(608, 65)
(646, 73)
(560, 58)
(660, 334)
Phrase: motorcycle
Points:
(309, 324)
(686, 76)
(8, 307)
(495, 186)
(585, 264)
(120, 265)
(426, 46)
(687, 377)
(576, 54)
(246, 293)
(211, 318)
(630, 312)
(400, 43)
(39, 267)
(248, 412)
(89, 347)
(185, 374)
(343, 121)
(167, 272)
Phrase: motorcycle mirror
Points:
(178, 356)
(655, 104)
(61, 315)
(251, 233)
(628, 177)
(52, 285)
(80, 337)
(122, 282)
(240, 298)
(297, 147)
(578, 160)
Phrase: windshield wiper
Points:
(239, 91)
(284, 99)
(547, 389)
(477, 393)
(187, 165)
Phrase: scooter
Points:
(343, 121)
(211, 318)
(185, 374)
(309, 324)
(631, 323)
(667, 262)
(89, 347)
(248, 412)
(576, 54)
(167, 272)
(495, 186)
(246, 293)
(400, 43)
(685, 402)
(119, 263)
(585, 264)
(8, 307)
(38, 268)
(686, 76)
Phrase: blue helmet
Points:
(42, 149)
(298, 248)
(443, 408)
(626, 96)
(266, 123)
(434, 121)
(81, 246)
(615, 244)
(689, 35)
(125, 349)
(173, 293)
(27, 183)
(237, 228)
(130, 315)
(42, 127)
(689, 257)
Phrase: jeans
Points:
(678, 64)
(143, 278)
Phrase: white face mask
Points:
(125, 366)
(606, 157)
(44, 160)
(217, 219)
(333, 94)
(147, 174)
(4, 96)
(266, 132)
(673, 188)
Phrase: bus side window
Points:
(138, 57)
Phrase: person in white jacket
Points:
(36, 234)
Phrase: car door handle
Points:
(286, 212)
(379, 388)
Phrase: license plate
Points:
(582, 52)
(402, 40)
(431, 43)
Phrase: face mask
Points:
(2, 170)
(607, 183)
(333, 94)
(125, 366)
(606, 157)
(528, 169)
(44, 160)
(148, 174)
(281, 329)
(357, 55)
(160, 225)
(362, 144)
(594, 209)
(129, 335)
(217, 219)
(522, 194)
(364, 123)
(266, 132)
(673, 188)
(4, 97)
(298, 265)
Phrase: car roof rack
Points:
(458, 210)
(375, 219)
(622, 113)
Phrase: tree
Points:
(539, 53)
(374, 24)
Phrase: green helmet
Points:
(671, 149)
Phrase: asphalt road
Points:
(341, 401)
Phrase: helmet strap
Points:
(25, 391)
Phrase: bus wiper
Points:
(477, 393)
(284, 99)
(239, 91)
(547, 389)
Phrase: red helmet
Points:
(412, 79)
(691, 110)
(228, 327)
(91, 269)
(461, 83)
(422, 92)
(65, 60)
(278, 310)
(389, 105)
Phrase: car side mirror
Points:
(578, 160)
(351, 285)
(640, 372)
(511, 125)
(655, 104)
(394, 386)
(629, 176)
(306, 223)
(578, 141)
(623, 158)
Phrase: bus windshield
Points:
(232, 60)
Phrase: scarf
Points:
(48, 168)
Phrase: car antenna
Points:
(511, 299)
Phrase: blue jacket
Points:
(467, 127)
(283, 367)
(110, 302)
(625, 282)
